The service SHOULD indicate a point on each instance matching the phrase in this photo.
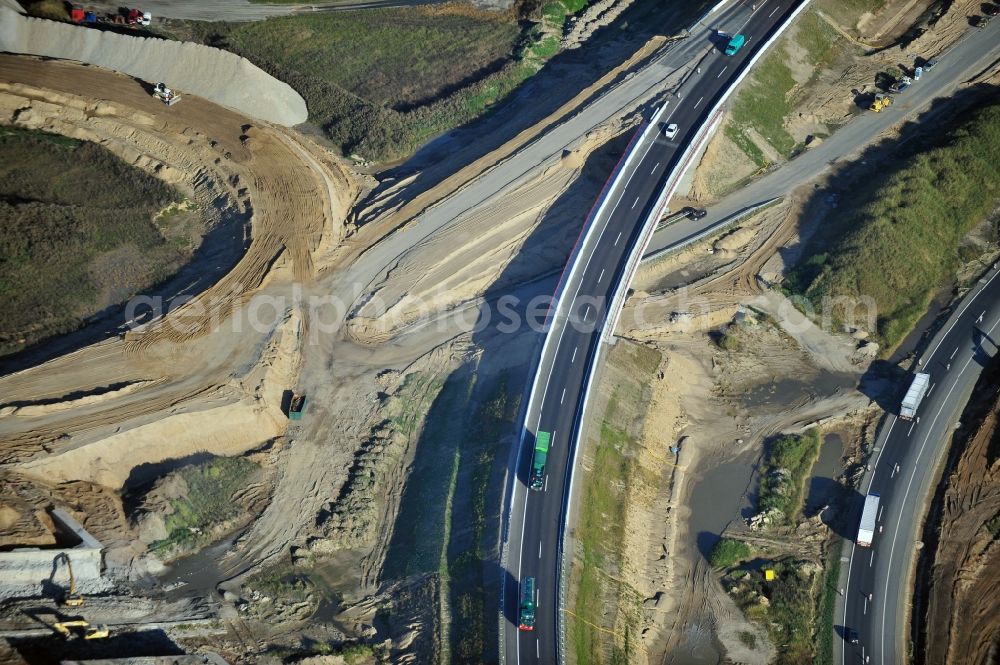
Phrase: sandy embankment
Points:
(186, 67)
(194, 381)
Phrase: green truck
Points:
(526, 617)
(542, 440)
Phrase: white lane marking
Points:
(538, 599)
(655, 167)
(563, 396)
(880, 509)
(520, 555)
(773, 11)
(909, 484)
(870, 561)
(962, 311)
(930, 390)
(545, 487)
(618, 238)
(586, 314)
(575, 349)
(635, 203)
(698, 102)
(723, 71)
(912, 425)
(539, 549)
(866, 606)
(538, 653)
(601, 276)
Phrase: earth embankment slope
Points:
(190, 68)
(962, 603)
(210, 373)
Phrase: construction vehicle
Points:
(165, 94)
(296, 406)
(138, 17)
(72, 598)
(914, 395)
(526, 613)
(542, 440)
(882, 101)
(866, 530)
(902, 84)
(124, 16)
(76, 628)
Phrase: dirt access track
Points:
(170, 390)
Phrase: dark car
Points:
(980, 21)
(930, 64)
(991, 9)
(852, 636)
(694, 213)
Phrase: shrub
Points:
(728, 552)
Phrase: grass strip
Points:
(895, 241)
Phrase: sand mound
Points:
(212, 73)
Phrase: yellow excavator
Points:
(72, 598)
(80, 628)
(881, 101)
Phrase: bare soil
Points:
(962, 602)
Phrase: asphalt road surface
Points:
(878, 590)
(976, 51)
(536, 516)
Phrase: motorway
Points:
(904, 472)
(534, 526)
(976, 51)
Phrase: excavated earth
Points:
(962, 621)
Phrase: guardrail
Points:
(670, 184)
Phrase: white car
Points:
(670, 131)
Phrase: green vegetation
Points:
(209, 502)
(728, 552)
(381, 82)
(784, 606)
(895, 240)
(444, 522)
(748, 638)
(611, 473)
(471, 617)
(76, 234)
(763, 105)
(772, 94)
(789, 460)
(827, 604)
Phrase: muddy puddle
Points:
(721, 495)
(784, 392)
(823, 487)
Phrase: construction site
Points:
(264, 457)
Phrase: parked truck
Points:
(526, 614)
(914, 395)
(866, 530)
(542, 440)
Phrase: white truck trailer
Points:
(866, 530)
(914, 395)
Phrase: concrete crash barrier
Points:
(216, 75)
